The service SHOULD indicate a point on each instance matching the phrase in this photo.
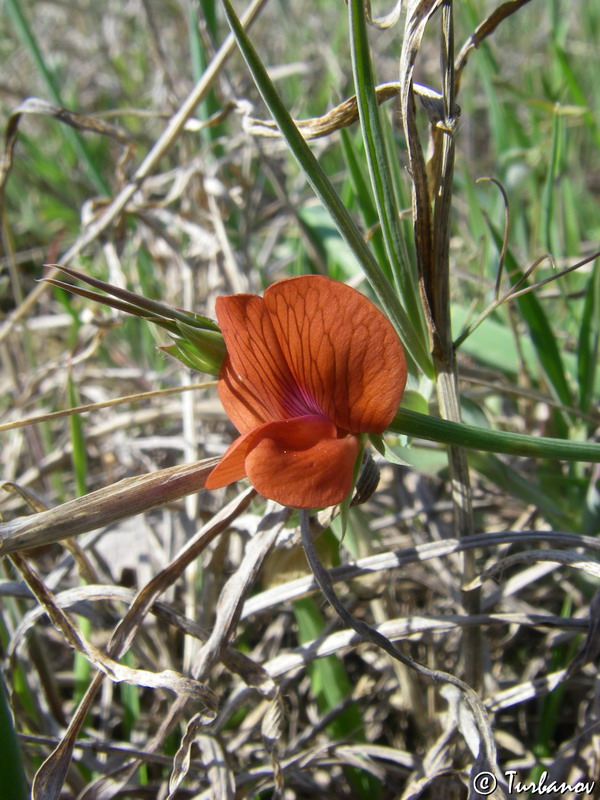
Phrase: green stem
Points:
(434, 429)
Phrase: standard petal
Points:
(255, 382)
(242, 406)
(302, 462)
(341, 350)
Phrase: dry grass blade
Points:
(387, 20)
(590, 647)
(123, 499)
(392, 560)
(51, 775)
(80, 598)
(432, 242)
(485, 29)
(487, 745)
(183, 756)
(397, 630)
(167, 679)
(271, 732)
(229, 606)
(417, 16)
(162, 146)
(576, 560)
(343, 115)
(215, 647)
(253, 674)
(220, 778)
(115, 401)
(521, 692)
(213, 760)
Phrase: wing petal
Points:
(302, 462)
(255, 381)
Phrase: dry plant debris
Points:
(157, 640)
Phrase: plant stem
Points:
(432, 202)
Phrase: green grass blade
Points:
(517, 485)
(577, 93)
(76, 141)
(588, 350)
(434, 429)
(364, 199)
(540, 330)
(405, 277)
(11, 767)
(329, 197)
(152, 307)
(547, 210)
(199, 61)
(331, 687)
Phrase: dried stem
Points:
(366, 632)
(432, 202)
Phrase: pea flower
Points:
(310, 367)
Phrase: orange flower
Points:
(309, 367)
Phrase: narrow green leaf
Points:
(547, 209)
(540, 330)
(139, 301)
(405, 277)
(577, 92)
(331, 687)
(199, 59)
(11, 766)
(329, 197)
(76, 141)
(588, 344)
(364, 199)
(393, 453)
(518, 485)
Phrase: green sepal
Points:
(207, 345)
(387, 451)
(347, 501)
(190, 357)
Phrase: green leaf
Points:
(547, 209)
(405, 277)
(540, 330)
(525, 487)
(73, 137)
(208, 345)
(392, 453)
(588, 344)
(331, 687)
(11, 766)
